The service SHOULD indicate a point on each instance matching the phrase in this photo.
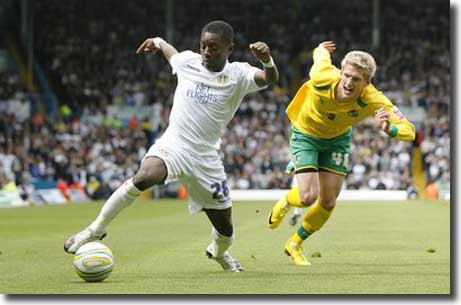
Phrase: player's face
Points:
(214, 51)
(351, 83)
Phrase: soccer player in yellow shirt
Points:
(322, 114)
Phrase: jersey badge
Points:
(223, 79)
(353, 113)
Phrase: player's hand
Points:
(329, 45)
(261, 51)
(383, 119)
(148, 46)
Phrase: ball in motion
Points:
(94, 262)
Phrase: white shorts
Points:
(201, 174)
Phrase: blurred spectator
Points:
(432, 191)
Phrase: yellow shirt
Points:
(315, 111)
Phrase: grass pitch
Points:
(365, 248)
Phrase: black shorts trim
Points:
(312, 170)
(306, 170)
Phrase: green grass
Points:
(366, 248)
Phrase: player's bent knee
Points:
(328, 203)
(141, 181)
(308, 198)
(152, 172)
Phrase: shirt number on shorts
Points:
(340, 158)
(220, 191)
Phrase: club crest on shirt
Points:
(353, 113)
(222, 79)
(331, 116)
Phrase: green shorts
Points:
(308, 153)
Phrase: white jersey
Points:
(205, 101)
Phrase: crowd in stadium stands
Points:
(89, 58)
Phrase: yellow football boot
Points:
(278, 212)
(296, 253)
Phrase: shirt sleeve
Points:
(322, 71)
(177, 61)
(401, 128)
(248, 83)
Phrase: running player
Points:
(322, 114)
(209, 91)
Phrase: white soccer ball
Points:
(94, 262)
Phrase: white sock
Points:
(120, 199)
(219, 243)
(297, 211)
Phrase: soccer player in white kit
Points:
(209, 92)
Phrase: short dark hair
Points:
(221, 28)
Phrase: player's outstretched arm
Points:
(322, 71)
(152, 45)
(270, 74)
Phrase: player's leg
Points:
(318, 213)
(152, 171)
(306, 193)
(208, 192)
(302, 195)
(316, 216)
(222, 237)
(333, 166)
(221, 220)
(297, 211)
(304, 161)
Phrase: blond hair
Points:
(362, 60)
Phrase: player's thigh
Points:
(330, 186)
(308, 185)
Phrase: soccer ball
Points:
(94, 262)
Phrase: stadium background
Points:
(79, 108)
(70, 85)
